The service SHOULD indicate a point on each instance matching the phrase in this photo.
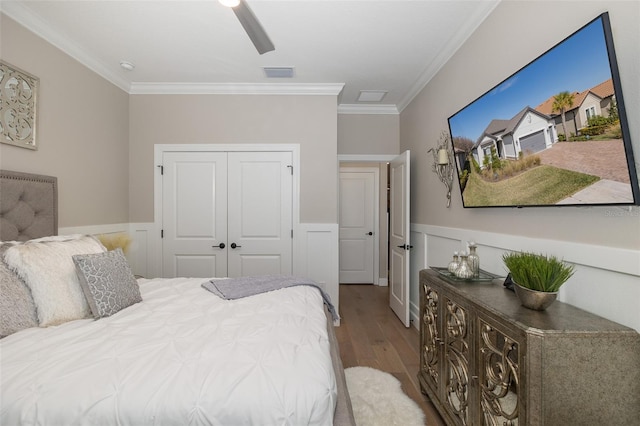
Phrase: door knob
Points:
(369, 233)
(234, 245)
(405, 247)
(221, 245)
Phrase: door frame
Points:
(376, 159)
(376, 213)
(160, 149)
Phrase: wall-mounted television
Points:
(553, 133)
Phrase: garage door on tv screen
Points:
(555, 133)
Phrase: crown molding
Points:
(20, 13)
(235, 89)
(367, 109)
(25, 17)
(448, 50)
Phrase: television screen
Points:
(553, 133)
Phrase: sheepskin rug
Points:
(378, 400)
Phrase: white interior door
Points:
(260, 213)
(357, 236)
(399, 237)
(194, 214)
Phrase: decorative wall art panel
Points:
(18, 96)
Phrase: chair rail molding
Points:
(619, 268)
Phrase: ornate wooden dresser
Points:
(486, 360)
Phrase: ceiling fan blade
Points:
(253, 28)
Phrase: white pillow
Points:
(47, 267)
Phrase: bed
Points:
(109, 349)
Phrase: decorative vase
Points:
(453, 265)
(474, 260)
(464, 270)
(532, 299)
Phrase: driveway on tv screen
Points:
(586, 172)
(603, 158)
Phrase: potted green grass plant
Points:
(537, 277)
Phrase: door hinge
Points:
(292, 233)
(162, 233)
(161, 169)
(291, 169)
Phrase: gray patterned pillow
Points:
(17, 309)
(107, 282)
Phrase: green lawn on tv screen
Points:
(538, 186)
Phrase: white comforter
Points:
(183, 356)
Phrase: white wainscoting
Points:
(113, 228)
(145, 255)
(606, 281)
(316, 256)
(144, 248)
(315, 251)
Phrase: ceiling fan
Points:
(251, 25)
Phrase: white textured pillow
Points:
(107, 282)
(47, 267)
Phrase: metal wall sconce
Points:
(443, 163)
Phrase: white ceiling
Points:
(181, 46)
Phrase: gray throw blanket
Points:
(236, 288)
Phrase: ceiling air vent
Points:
(278, 72)
(371, 95)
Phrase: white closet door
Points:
(194, 214)
(260, 213)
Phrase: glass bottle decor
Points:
(453, 265)
(464, 272)
(474, 260)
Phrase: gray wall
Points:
(98, 140)
(373, 134)
(82, 131)
(208, 119)
(499, 47)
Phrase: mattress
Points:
(183, 356)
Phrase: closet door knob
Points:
(234, 245)
(221, 245)
(369, 233)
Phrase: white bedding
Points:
(183, 356)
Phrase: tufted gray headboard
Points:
(28, 206)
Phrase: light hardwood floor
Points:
(371, 335)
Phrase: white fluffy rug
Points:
(378, 399)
